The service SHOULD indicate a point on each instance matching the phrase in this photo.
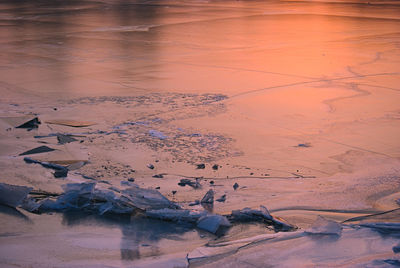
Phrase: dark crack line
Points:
(306, 82)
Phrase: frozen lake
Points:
(296, 101)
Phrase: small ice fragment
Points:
(201, 166)
(157, 134)
(305, 145)
(215, 224)
(396, 249)
(38, 150)
(194, 184)
(63, 139)
(325, 227)
(208, 197)
(61, 173)
(235, 186)
(150, 166)
(13, 195)
(222, 198)
(248, 214)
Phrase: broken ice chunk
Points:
(63, 139)
(177, 215)
(145, 199)
(213, 223)
(13, 195)
(325, 227)
(208, 197)
(248, 214)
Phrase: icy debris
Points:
(84, 196)
(262, 215)
(208, 197)
(63, 139)
(13, 195)
(325, 227)
(214, 223)
(60, 171)
(157, 134)
(176, 215)
(248, 214)
(145, 199)
(38, 150)
(195, 184)
(44, 164)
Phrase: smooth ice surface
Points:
(297, 102)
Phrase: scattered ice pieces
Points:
(213, 223)
(323, 226)
(13, 195)
(208, 198)
(157, 134)
(38, 150)
(44, 164)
